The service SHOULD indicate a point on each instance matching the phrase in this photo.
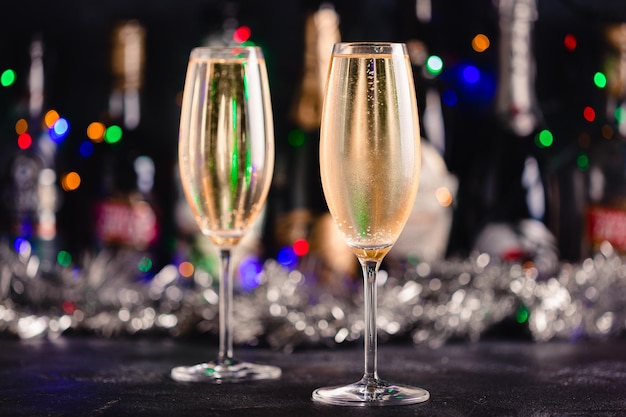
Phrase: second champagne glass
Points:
(226, 159)
(370, 167)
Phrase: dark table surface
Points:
(83, 376)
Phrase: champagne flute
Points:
(370, 167)
(226, 158)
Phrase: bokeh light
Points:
(86, 149)
(296, 138)
(434, 64)
(286, 256)
(599, 79)
(59, 130)
(570, 42)
(449, 97)
(51, 118)
(583, 162)
(24, 141)
(186, 269)
(301, 247)
(249, 272)
(145, 264)
(7, 78)
(443, 196)
(95, 131)
(113, 134)
(70, 181)
(21, 126)
(480, 43)
(471, 74)
(241, 34)
(589, 114)
(64, 258)
(544, 139)
(22, 246)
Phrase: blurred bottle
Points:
(30, 196)
(299, 230)
(606, 215)
(127, 216)
(509, 195)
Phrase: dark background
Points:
(76, 34)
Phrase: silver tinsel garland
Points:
(430, 303)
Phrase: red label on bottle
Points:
(126, 223)
(607, 224)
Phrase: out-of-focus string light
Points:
(443, 196)
(249, 272)
(599, 79)
(21, 126)
(570, 42)
(434, 64)
(301, 247)
(95, 132)
(144, 264)
(287, 257)
(70, 181)
(589, 114)
(471, 74)
(296, 138)
(51, 117)
(7, 78)
(64, 258)
(24, 141)
(113, 134)
(186, 269)
(86, 149)
(242, 34)
(480, 43)
(59, 130)
(582, 161)
(449, 97)
(544, 139)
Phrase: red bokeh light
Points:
(570, 42)
(301, 247)
(242, 34)
(589, 114)
(24, 141)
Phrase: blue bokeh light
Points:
(471, 74)
(286, 256)
(249, 272)
(86, 149)
(449, 97)
(59, 130)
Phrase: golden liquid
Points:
(226, 146)
(370, 150)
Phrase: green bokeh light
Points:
(113, 134)
(522, 315)
(599, 79)
(64, 258)
(7, 78)
(296, 138)
(434, 64)
(620, 114)
(145, 264)
(583, 162)
(544, 139)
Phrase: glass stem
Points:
(370, 269)
(226, 310)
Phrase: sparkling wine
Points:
(228, 189)
(369, 151)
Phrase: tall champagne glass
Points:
(226, 159)
(370, 167)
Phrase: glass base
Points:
(371, 393)
(218, 373)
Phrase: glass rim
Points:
(225, 52)
(374, 47)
